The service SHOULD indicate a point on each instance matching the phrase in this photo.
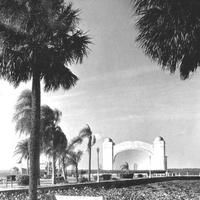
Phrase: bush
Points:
(60, 179)
(83, 180)
(126, 175)
(83, 172)
(140, 175)
(106, 176)
(11, 178)
(95, 177)
(23, 179)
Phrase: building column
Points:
(108, 146)
(159, 161)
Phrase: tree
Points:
(67, 151)
(73, 159)
(15, 170)
(87, 133)
(169, 33)
(54, 140)
(22, 150)
(22, 115)
(125, 166)
(38, 40)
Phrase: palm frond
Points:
(25, 96)
(93, 141)
(74, 157)
(23, 126)
(22, 115)
(57, 76)
(25, 113)
(22, 149)
(169, 33)
(75, 141)
(78, 45)
(85, 132)
(67, 19)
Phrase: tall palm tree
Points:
(39, 39)
(73, 159)
(87, 133)
(54, 140)
(22, 150)
(169, 33)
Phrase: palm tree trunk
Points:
(27, 166)
(35, 136)
(64, 169)
(76, 166)
(48, 167)
(89, 155)
(54, 168)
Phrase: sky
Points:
(121, 93)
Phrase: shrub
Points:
(83, 172)
(83, 179)
(126, 175)
(60, 179)
(140, 175)
(23, 179)
(106, 176)
(11, 177)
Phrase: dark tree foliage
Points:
(42, 38)
(39, 40)
(169, 32)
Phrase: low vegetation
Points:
(22, 180)
(165, 190)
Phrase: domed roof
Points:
(158, 139)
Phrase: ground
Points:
(171, 190)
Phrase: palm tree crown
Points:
(42, 41)
(169, 33)
(125, 166)
(22, 150)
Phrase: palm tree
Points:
(87, 133)
(15, 170)
(169, 33)
(125, 166)
(39, 39)
(66, 152)
(55, 147)
(22, 115)
(54, 140)
(22, 150)
(73, 159)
